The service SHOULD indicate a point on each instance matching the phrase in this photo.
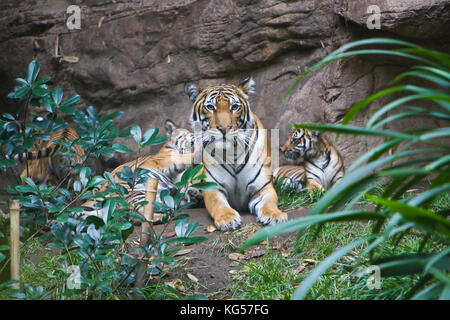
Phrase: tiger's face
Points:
(180, 139)
(299, 144)
(221, 111)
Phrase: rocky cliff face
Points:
(137, 55)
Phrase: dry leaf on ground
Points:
(182, 252)
(192, 277)
(210, 228)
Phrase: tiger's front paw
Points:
(228, 219)
(271, 215)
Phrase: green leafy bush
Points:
(92, 249)
(420, 156)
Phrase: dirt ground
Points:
(209, 266)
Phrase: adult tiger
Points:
(46, 165)
(235, 155)
(168, 165)
(319, 164)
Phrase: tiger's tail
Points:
(32, 155)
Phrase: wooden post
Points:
(149, 212)
(150, 196)
(15, 241)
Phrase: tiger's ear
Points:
(192, 90)
(248, 86)
(170, 127)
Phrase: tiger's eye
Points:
(235, 107)
(209, 107)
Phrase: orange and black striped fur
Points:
(46, 164)
(292, 176)
(168, 165)
(318, 162)
(235, 155)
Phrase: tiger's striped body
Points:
(46, 165)
(175, 156)
(235, 155)
(292, 176)
(319, 163)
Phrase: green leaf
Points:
(95, 181)
(93, 233)
(108, 209)
(155, 141)
(125, 133)
(96, 221)
(195, 170)
(121, 148)
(40, 91)
(136, 133)
(186, 176)
(8, 116)
(187, 240)
(31, 183)
(67, 109)
(7, 163)
(72, 100)
(180, 227)
(205, 186)
(20, 92)
(350, 114)
(84, 175)
(77, 186)
(33, 71)
(43, 80)
(57, 95)
(28, 142)
(191, 229)
(22, 81)
(149, 135)
(423, 218)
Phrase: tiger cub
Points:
(46, 165)
(319, 164)
(168, 165)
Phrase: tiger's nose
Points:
(223, 129)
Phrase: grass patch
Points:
(342, 280)
(276, 276)
(289, 198)
(270, 277)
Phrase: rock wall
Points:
(137, 55)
